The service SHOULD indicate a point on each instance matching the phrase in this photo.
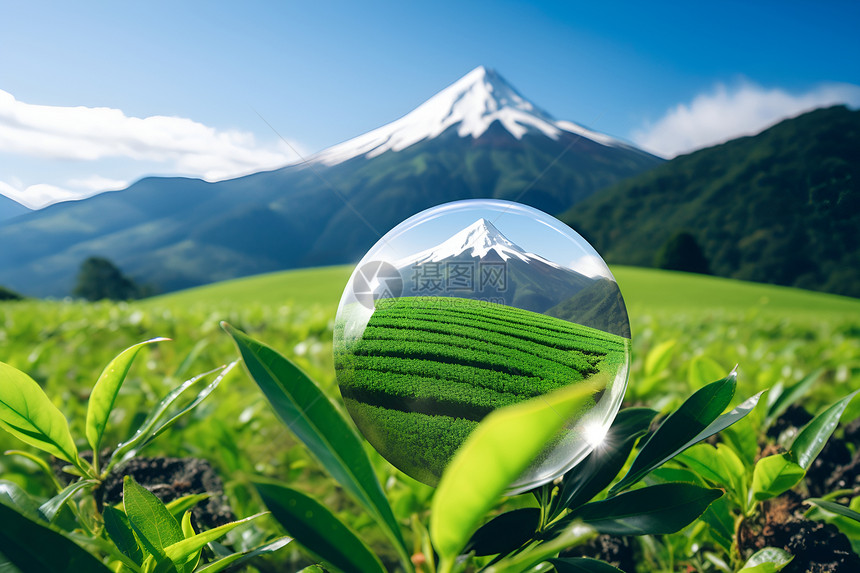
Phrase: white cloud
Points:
(98, 183)
(725, 113)
(178, 145)
(41, 194)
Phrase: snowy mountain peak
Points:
(469, 105)
(475, 241)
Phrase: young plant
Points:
(74, 530)
(569, 510)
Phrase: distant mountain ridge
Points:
(174, 233)
(781, 207)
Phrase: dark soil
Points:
(617, 551)
(171, 478)
(817, 547)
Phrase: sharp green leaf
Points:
(767, 560)
(149, 519)
(184, 549)
(658, 509)
(314, 526)
(811, 439)
(106, 390)
(790, 395)
(497, 451)
(36, 548)
(119, 530)
(50, 508)
(583, 565)
(774, 475)
(237, 559)
(180, 505)
(505, 532)
(15, 497)
(29, 415)
(525, 560)
(681, 429)
(835, 508)
(307, 411)
(601, 466)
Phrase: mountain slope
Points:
(781, 207)
(477, 138)
(10, 208)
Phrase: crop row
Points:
(486, 341)
(512, 362)
(451, 306)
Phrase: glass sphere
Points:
(468, 307)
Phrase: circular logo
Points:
(376, 280)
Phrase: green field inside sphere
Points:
(425, 370)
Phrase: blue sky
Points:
(96, 95)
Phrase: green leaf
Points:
(582, 565)
(42, 464)
(106, 390)
(320, 532)
(774, 475)
(237, 559)
(180, 505)
(719, 518)
(187, 564)
(119, 530)
(51, 508)
(185, 549)
(149, 519)
(720, 465)
(307, 411)
(658, 358)
(790, 395)
(158, 421)
(497, 451)
(703, 369)
(601, 466)
(36, 548)
(15, 497)
(767, 560)
(572, 536)
(681, 429)
(28, 414)
(505, 532)
(834, 508)
(657, 509)
(811, 439)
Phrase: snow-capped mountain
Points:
(476, 241)
(470, 105)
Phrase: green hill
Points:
(781, 207)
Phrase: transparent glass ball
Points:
(468, 307)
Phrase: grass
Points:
(451, 361)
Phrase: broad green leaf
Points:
(494, 455)
(15, 497)
(767, 560)
(790, 395)
(703, 370)
(653, 510)
(320, 532)
(237, 559)
(505, 532)
(720, 465)
(106, 390)
(51, 508)
(159, 420)
(601, 466)
(681, 429)
(180, 505)
(28, 414)
(119, 530)
(36, 548)
(774, 475)
(183, 550)
(811, 439)
(582, 565)
(307, 411)
(149, 519)
(834, 508)
(658, 357)
(719, 518)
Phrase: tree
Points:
(99, 279)
(6, 294)
(682, 253)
